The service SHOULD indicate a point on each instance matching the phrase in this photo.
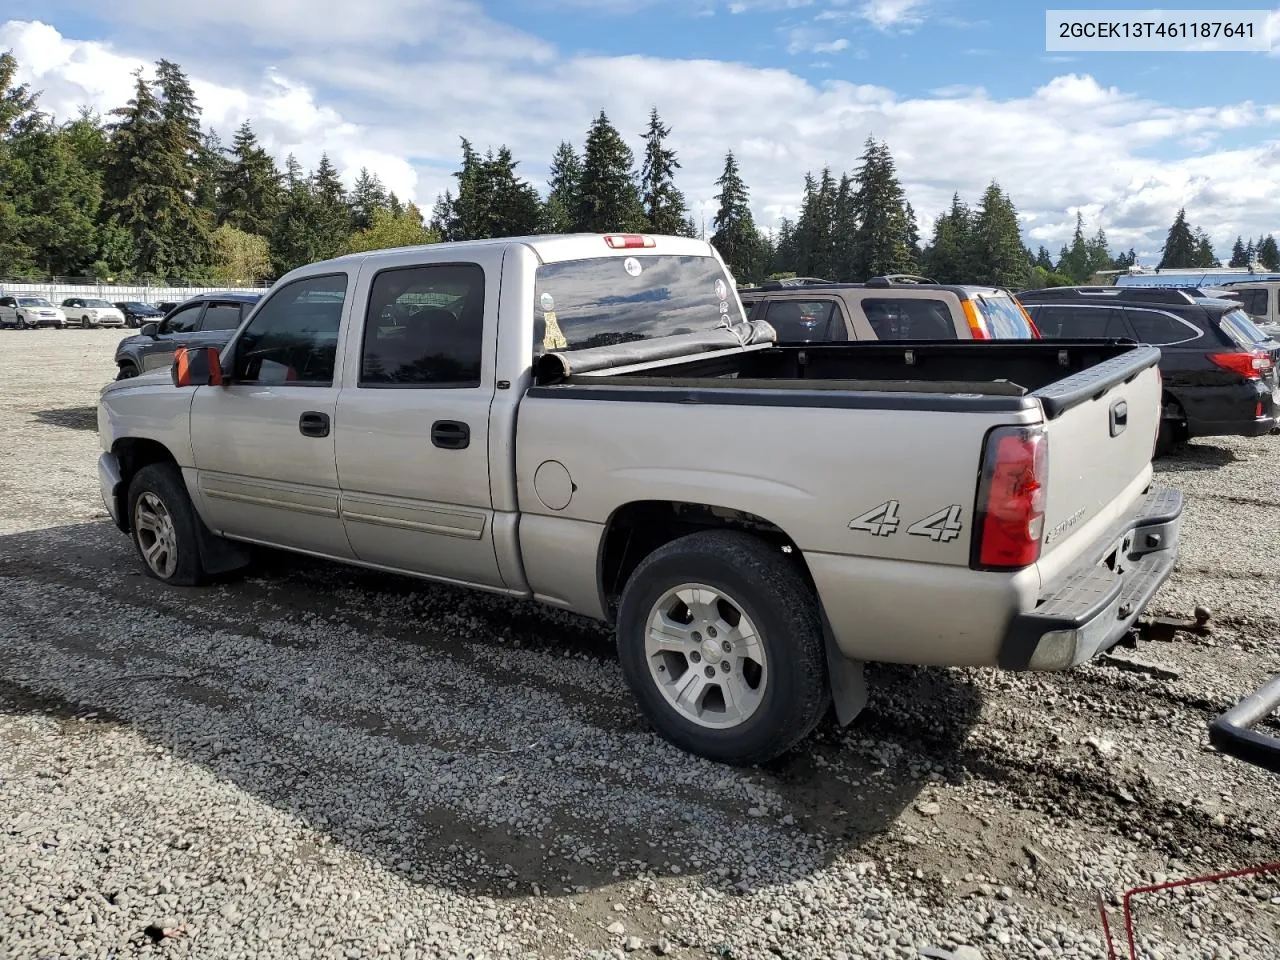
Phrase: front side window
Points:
(185, 320)
(293, 338)
(909, 318)
(602, 301)
(424, 327)
(221, 316)
(806, 320)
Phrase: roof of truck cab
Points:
(549, 248)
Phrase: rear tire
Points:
(1173, 428)
(127, 370)
(164, 526)
(720, 639)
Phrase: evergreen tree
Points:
(491, 200)
(784, 249)
(211, 165)
(1099, 253)
(997, 242)
(1126, 260)
(367, 195)
(17, 112)
(297, 238)
(188, 225)
(1250, 252)
(949, 256)
(249, 187)
(817, 249)
(332, 212)
(1043, 258)
(564, 193)
(1239, 258)
(608, 198)
(1074, 259)
(1180, 245)
(882, 243)
(1204, 255)
(844, 232)
(664, 205)
(913, 233)
(735, 234)
(1269, 254)
(57, 201)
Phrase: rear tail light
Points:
(1251, 366)
(1011, 499)
(627, 241)
(977, 327)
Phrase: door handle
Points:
(314, 424)
(1119, 417)
(450, 434)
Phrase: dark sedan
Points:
(204, 321)
(137, 313)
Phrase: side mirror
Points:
(150, 330)
(196, 367)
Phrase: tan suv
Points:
(898, 307)
(1260, 298)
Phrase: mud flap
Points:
(848, 682)
(1233, 732)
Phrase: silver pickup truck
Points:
(590, 421)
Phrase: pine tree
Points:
(211, 165)
(58, 199)
(188, 225)
(1074, 259)
(564, 184)
(997, 242)
(1099, 252)
(949, 256)
(491, 200)
(367, 195)
(882, 243)
(913, 233)
(332, 212)
(784, 249)
(249, 188)
(1269, 254)
(1043, 258)
(1126, 260)
(1239, 258)
(664, 205)
(817, 246)
(735, 234)
(17, 112)
(844, 232)
(296, 239)
(1180, 245)
(608, 198)
(1204, 255)
(1250, 252)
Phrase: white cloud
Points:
(894, 14)
(399, 108)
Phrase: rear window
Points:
(1254, 302)
(909, 318)
(1237, 325)
(1004, 319)
(603, 301)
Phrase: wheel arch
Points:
(134, 453)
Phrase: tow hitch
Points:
(1163, 628)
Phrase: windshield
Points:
(1237, 325)
(1004, 319)
(33, 302)
(607, 300)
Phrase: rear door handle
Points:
(450, 434)
(1119, 417)
(314, 424)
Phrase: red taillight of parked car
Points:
(1251, 366)
(1011, 499)
(977, 326)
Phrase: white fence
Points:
(55, 293)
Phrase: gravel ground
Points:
(316, 761)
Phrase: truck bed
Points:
(936, 375)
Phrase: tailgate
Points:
(1101, 424)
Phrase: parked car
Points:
(1260, 299)
(515, 415)
(89, 312)
(1219, 369)
(207, 320)
(898, 307)
(164, 306)
(29, 313)
(137, 313)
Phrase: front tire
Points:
(720, 639)
(164, 526)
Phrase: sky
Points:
(963, 92)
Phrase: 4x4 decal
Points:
(941, 526)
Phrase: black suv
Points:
(1219, 369)
(137, 313)
(204, 321)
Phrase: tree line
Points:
(146, 193)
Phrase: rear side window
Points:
(603, 301)
(425, 327)
(1254, 302)
(221, 316)
(806, 320)
(293, 338)
(1159, 328)
(1080, 322)
(909, 318)
(1004, 318)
